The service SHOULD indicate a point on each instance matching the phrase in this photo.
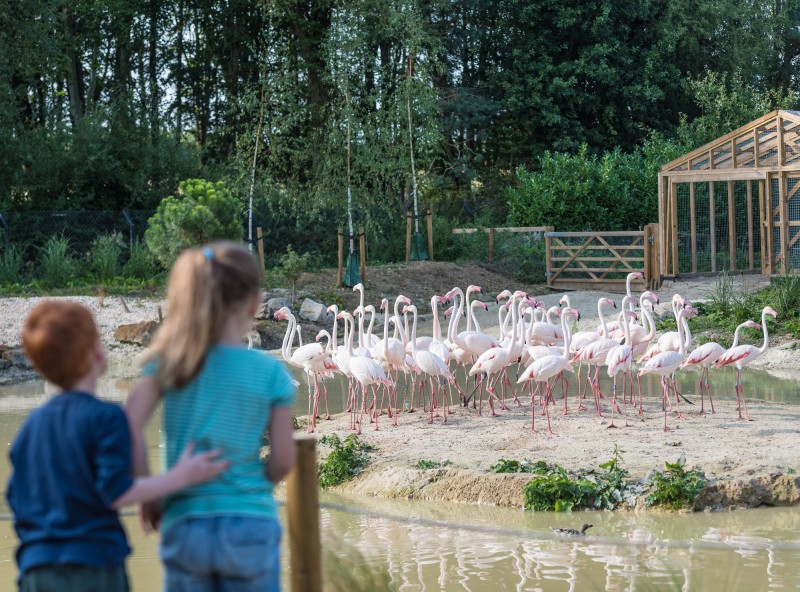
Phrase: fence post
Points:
(408, 237)
(648, 272)
(302, 504)
(547, 253)
(263, 269)
(130, 224)
(339, 256)
(362, 251)
(430, 236)
(491, 244)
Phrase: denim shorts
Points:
(77, 578)
(222, 554)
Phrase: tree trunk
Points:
(74, 71)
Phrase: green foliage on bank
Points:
(676, 487)
(346, 459)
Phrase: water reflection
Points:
(487, 549)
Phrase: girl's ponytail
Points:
(205, 286)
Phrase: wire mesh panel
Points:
(775, 217)
(793, 210)
(685, 226)
(791, 142)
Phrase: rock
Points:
(271, 306)
(312, 311)
(137, 333)
(766, 490)
(5, 364)
(16, 357)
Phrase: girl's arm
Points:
(281, 441)
(140, 405)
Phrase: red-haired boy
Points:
(72, 464)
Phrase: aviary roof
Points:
(753, 146)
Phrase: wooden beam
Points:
(769, 219)
(784, 213)
(731, 228)
(781, 144)
(717, 175)
(733, 152)
(302, 510)
(755, 146)
(750, 241)
(713, 227)
(629, 233)
(693, 226)
(548, 253)
(661, 213)
(674, 211)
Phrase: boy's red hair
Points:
(59, 338)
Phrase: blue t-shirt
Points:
(71, 459)
(227, 406)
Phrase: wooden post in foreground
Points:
(302, 505)
(430, 236)
(340, 256)
(362, 251)
(260, 241)
(491, 244)
(408, 237)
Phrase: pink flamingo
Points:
(547, 367)
(430, 364)
(366, 371)
(741, 355)
(705, 356)
(620, 359)
(665, 364)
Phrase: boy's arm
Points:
(189, 470)
(281, 442)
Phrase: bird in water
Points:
(572, 531)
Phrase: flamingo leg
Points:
(490, 390)
(740, 396)
(613, 402)
(665, 397)
(708, 390)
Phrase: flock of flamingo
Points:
(538, 343)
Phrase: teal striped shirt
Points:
(226, 406)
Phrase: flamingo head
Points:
(771, 311)
(442, 300)
(369, 308)
(334, 308)
(556, 310)
(410, 308)
(451, 294)
(449, 311)
(687, 303)
(752, 325)
(320, 335)
(571, 312)
(473, 288)
(631, 314)
(636, 275)
(282, 314)
(652, 297)
(479, 304)
(503, 295)
(384, 303)
(564, 300)
(344, 315)
(404, 299)
(358, 310)
(609, 302)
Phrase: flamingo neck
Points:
(736, 335)
(681, 342)
(468, 304)
(437, 329)
(349, 331)
(371, 325)
(285, 346)
(514, 325)
(458, 311)
(386, 334)
(602, 319)
(475, 323)
(567, 337)
(335, 337)
(414, 336)
(763, 348)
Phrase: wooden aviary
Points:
(734, 204)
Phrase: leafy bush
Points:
(57, 265)
(293, 266)
(424, 465)
(104, 256)
(140, 262)
(505, 465)
(676, 487)
(201, 212)
(11, 265)
(345, 460)
(554, 489)
(610, 483)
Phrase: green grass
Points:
(424, 465)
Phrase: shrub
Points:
(104, 256)
(57, 265)
(140, 262)
(676, 487)
(11, 265)
(505, 465)
(345, 460)
(293, 266)
(424, 465)
(555, 490)
(201, 212)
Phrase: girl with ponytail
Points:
(219, 395)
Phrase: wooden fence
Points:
(602, 260)
(491, 232)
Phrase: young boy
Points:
(72, 464)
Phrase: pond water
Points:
(439, 546)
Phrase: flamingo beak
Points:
(442, 300)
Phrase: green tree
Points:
(200, 212)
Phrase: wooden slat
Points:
(673, 198)
(750, 241)
(770, 222)
(731, 228)
(713, 227)
(693, 224)
(784, 213)
(781, 144)
(571, 259)
(630, 233)
(634, 259)
(547, 254)
(606, 286)
(717, 175)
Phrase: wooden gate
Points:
(602, 260)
